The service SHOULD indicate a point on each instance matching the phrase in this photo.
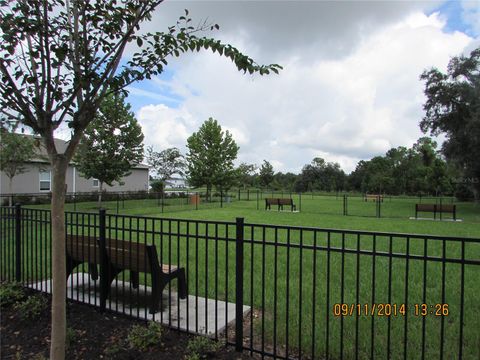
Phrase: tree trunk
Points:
(209, 189)
(59, 282)
(100, 188)
(10, 198)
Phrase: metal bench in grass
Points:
(280, 203)
(125, 255)
(436, 209)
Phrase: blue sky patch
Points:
(453, 12)
(154, 91)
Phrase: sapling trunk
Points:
(59, 281)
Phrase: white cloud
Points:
(164, 127)
(344, 106)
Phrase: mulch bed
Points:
(94, 336)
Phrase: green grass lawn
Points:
(290, 285)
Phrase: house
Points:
(37, 177)
(175, 183)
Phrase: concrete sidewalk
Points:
(197, 315)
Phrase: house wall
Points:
(29, 181)
(136, 181)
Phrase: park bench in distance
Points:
(126, 255)
(451, 209)
(280, 202)
(373, 197)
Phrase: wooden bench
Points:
(82, 250)
(373, 197)
(280, 202)
(125, 255)
(269, 202)
(435, 208)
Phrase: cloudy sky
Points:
(350, 87)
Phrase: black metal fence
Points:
(292, 292)
(365, 205)
(167, 201)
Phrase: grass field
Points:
(290, 285)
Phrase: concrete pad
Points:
(432, 219)
(197, 315)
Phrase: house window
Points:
(95, 183)
(45, 180)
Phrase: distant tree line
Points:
(419, 170)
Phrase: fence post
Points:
(299, 201)
(18, 242)
(378, 206)
(248, 194)
(345, 205)
(258, 195)
(221, 199)
(103, 260)
(239, 194)
(118, 202)
(163, 200)
(239, 285)
(441, 210)
(197, 200)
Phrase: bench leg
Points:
(92, 269)
(134, 279)
(71, 264)
(156, 298)
(182, 284)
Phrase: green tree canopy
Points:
(15, 151)
(453, 108)
(416, 170)
(166, 162)
(266, 174)
(210, 157)
(245, 174)
(111, 144)
(321, 175)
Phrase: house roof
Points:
(41, 155)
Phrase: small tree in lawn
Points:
(15, 151)
(166, 163)
(245, 174)
(111, 144)
(266, 174)
(210, 157)
(58, 61)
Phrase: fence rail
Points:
(177, 200)
(311, 292)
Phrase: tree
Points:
(111, 144)
(15, 151)
(415, 170)
(266, 174)
(59, 59)
(245, 174)
(453, 108)
(166, 162)
(210, 157)
(321, 175)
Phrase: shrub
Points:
(10, 293)
(112, 350)
(201, 347)
(32, 307)
(142, 337)
(70, 337)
